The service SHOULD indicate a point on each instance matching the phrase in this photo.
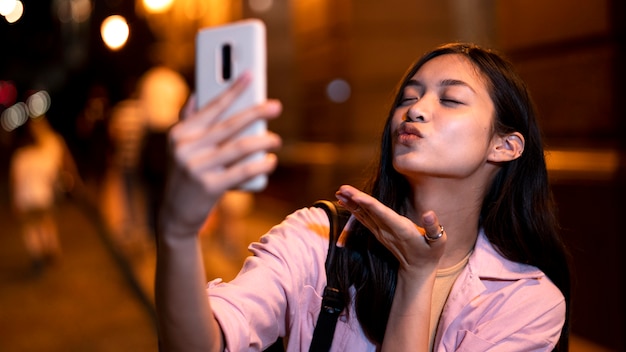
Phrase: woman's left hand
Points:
(401, 236)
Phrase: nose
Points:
(415, 112)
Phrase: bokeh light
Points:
(38, 103)
(162, 92)
(16, 14)
(76, 11)
(8, 93)
(7, 6)
(157, 6)
(260, 5)
(338, 90)
(114, 32)
(195, 10)
(14, 117)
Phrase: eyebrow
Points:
(443, 83)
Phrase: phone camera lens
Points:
(227, 66)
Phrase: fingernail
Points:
(273, 106)
(341, 198)
(429, 218)
(245, 77)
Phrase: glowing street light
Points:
(16, 13)
(157, 6)
(114, 31)
(7, 6)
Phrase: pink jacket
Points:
(495, 304)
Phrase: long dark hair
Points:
(517, 215)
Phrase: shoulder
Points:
(303, 225)
(298, 244)
(498, 273)
(486, 262)
(279, 287)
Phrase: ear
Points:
(506, 147)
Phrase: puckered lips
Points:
(407, 133)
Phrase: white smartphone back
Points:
(223, 53)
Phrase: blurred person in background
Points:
(123, 192)
(41, 169)
(93, 136)
(135, 174)
(161, 93)
(136, 163)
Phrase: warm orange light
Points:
(162, 93)
(260, 5)
(7, 6)
(16, 13)
(114, 31)
(157, 6)
(583, 163)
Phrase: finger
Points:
(189, 108)
(348, 197)
(212, 111)
(361, 202)
(234, 151)
(434, 232)
(184, 133)
(369, 211)
(231, 177)
(225, 100)
(262, 112)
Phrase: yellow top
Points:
(443, 284)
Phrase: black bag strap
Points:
(332, 300)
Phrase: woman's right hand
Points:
(207, 153)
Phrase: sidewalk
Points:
(85, 302)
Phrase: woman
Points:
(460, 147)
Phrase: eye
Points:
(407, 100)
(450, 102)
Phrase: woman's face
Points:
(443, 125)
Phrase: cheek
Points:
(465, 141)
(394, 124)
(397, 118)
(472, 131)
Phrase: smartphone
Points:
(222, 54)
